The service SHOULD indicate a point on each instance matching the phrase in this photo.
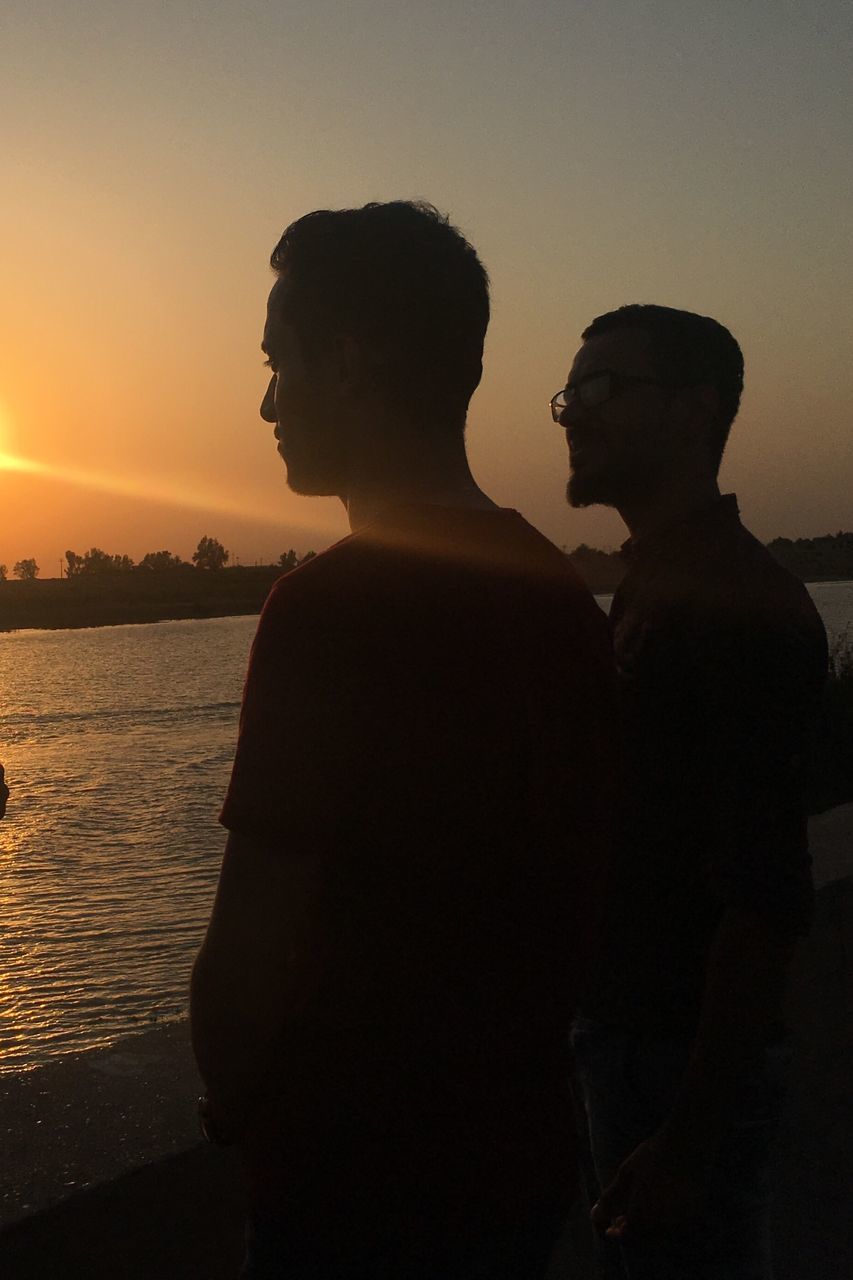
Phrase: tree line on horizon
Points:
(810, 559)
(210, 555)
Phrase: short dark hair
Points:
(688, 350)
(400, 277)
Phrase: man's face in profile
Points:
(300, 402)
(617, 445)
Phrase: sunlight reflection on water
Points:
(118, 744)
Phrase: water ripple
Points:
(118, 744)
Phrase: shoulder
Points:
(730, 579)
(542, 566)
(544, 585)
(760, 593)
(761, 620)
(312, 577)
(729, 606)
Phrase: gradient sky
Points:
(672, 151)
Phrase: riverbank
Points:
(104, 1175)
(118, 599)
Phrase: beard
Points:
(311, 473)
(589, 488)
(610, 485)
(310, 484)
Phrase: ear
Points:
(708, 398)
(699, 409)
(691, 403)
(350, 365)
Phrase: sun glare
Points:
(161, 492)
(8, 462)
(152, 490)
(4, 430)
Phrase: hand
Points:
(221, 1123)
(4, 792)
(653, 1195)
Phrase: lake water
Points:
(118, 744)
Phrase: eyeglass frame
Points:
(619, 382)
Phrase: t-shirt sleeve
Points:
(762, 711)
(303, 731)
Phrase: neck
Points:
(418, 469)
(669, 505)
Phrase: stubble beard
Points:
(310, 486)
(311, 478)
(583, 490)
(613, 487)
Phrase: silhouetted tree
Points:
(309, 555)
(26, 570)
(161, 560)
(2, 573)
(96, 561)
(288, 559)
(210, 554)
(601, 570)
(816, 559)
(73, 564)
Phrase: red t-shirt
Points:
(428, 705)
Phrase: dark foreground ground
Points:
(178, 1216)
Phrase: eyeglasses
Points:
(596, 389)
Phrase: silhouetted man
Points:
(720, 657)
(4, 792)
(418, 805)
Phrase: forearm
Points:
(258, 967)
(232, 1039)
(745, 985)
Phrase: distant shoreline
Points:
(56, 604)
(138, 618)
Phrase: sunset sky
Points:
(676, 151)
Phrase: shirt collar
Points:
(686, 538)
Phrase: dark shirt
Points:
(721, 658)
(429, 704)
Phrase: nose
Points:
(268, 402)
(576, 415)
(578, 423)
(568, 419)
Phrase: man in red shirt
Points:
(419, 805)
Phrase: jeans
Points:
(627, 1084)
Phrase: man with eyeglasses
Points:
(721, 656)
(419, 806)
